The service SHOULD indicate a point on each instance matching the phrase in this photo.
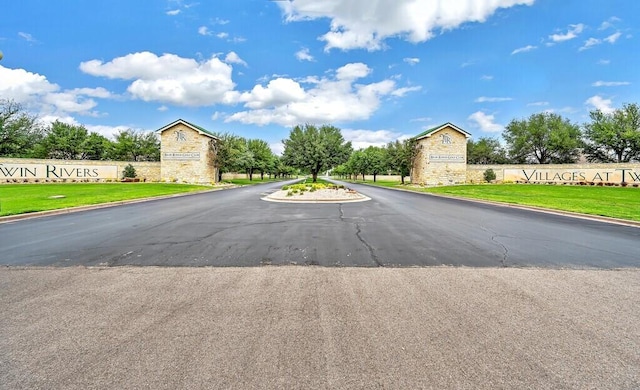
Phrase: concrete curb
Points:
(39, 214)
(572, 214)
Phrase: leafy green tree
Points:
(64, 141)
(400, 157)
(358, 164)
(613, 137)
(228, 148)
(130, 145)
(485, 151)
(20, 133)
(95, 147)
(315, 149)
(544, 138)
(375, 159)
(262, 157)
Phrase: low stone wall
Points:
(69, 171)
(581, 174)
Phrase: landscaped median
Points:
(612, 202)
(319, 192)
(30, 198)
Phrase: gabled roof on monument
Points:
(433, 130)
(199, 129)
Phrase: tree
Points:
(95, 147)
(543, 138)
(130, 145)
(64, 141)
(485, 151)
(228, 148)
(400, 157)
(357, 164)
(262, 156)
(315, 149)
(375, 160)
(613, 137)
(20, 132)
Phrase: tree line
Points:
(548, 138)
(23, 136)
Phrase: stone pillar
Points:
(187, 154)
(441, 157)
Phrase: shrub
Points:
(489, 175)
(129, 171)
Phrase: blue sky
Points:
(379, 70)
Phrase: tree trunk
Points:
(261, 175)
(402, 179)
(374, 177)
(363, 177)
(314, 174)
(251, 174)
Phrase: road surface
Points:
(395, 229)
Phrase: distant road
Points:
(236, 228)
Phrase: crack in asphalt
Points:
(494, 237)
(364, 242)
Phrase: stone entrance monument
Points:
(187, 153)
(442, 156)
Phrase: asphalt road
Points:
(236, 228)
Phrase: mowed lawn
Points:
(28, 198)
(615, 202)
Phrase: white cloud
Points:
(173, 12)
(573, 32)
(604, 62)
(327, 99)
(233, 58)
(46, 98)
(524, 49)
(27, 37)
(422, 119)
(303, 55)
(277, 148)
(356, 24)
(485, 99)
(222, 35)
(485, 122)
(361, 139)
(600, 103)
(610, 83)
(169, 78)
(163, 108)
(107, 131)
(609, 23)
(411, 61)
(591, 42)
(486, 77)
(204, 30)
(538, 104)
(613, 37)
(400, 92)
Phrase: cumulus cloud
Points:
(485, 122)
(173, 12)
(46, 98)
(486, 77)
(357, 24)
(233, 58)
(613, 37)
(591, 42)
(169, 78)
(204, 30)
(599, 103)
(485, 99)
(524, 49)
(303, 55)
(573, 32)
(361, 139)
(340, 96)
(610, 83)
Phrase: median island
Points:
(315, 193)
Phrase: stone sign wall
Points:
(442, 157)
(21, 170)
(588, 174)
(187, 153)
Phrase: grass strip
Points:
(29, 198)
(247, 182)
(614, 202)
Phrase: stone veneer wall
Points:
(428, 171)
(475, 172)
(187, 169)
(145, 170)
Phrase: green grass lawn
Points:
(616, 202)
(28, 198)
